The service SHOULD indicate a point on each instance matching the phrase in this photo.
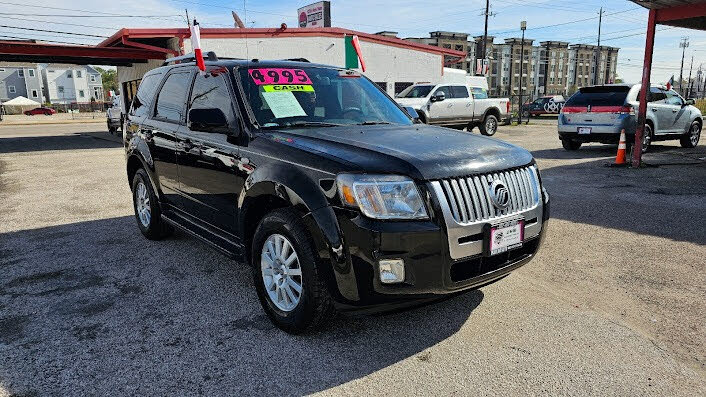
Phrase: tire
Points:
(526, 114)
(489, 126)
(147, 210)
(302, 311)
(647, 135)
(691, 139)
(571, 145)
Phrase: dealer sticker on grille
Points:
(506, 236)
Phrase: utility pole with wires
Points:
(684, 44)
(484, 50)
(598, 50)
(689, 82)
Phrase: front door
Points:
(208, 161)
(441, 111)
(679, 115)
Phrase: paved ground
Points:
(58, 118)
(613, 305)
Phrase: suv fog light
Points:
(391, 271)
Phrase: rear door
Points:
(168, 117)
(208, 161)
(462, 109)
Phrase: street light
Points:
(523, 27)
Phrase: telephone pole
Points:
(598, 56)
(485, 32)
(689, 82)
(684, 44)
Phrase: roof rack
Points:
(190, 57)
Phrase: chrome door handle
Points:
(674, 110)
(655, 109)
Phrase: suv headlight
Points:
(382, 196)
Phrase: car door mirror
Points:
(690, 101)
(208, 120)
(438, 97)
(412, 113)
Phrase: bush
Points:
(701, 104)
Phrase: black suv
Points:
(327, 188)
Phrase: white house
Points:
(65, 84)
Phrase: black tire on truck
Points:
(489, 126)
(569, 144)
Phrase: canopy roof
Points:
(21, 101)
(690, 14)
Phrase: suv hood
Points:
(416, 103)
(419, 151)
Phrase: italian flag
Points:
(196, 44)
(353, 53)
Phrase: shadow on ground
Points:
(94, 308)
(85, 140)
(665, 200)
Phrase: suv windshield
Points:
(314, 96)
(599, 96)
(416, 91)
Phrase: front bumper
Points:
(430, 268)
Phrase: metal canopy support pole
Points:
(644, 90)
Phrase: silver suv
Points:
(599, 113)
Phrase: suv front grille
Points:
(469, 197)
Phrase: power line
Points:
(53, 31)
(49, 41)
(87, 16)
(566, 23)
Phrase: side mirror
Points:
(438, 97)
(412, 113)
(208, 120)
(690, 101)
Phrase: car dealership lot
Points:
(613, 304)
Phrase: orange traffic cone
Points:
(620, 157)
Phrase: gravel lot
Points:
(613, 305)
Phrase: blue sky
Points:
(623, 23)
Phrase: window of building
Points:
(170, 100)
(78, 74)
(93, 78)
(31, 72)
(447, 46)
(21, 73)
(382, 85)
(69, 75)
(81, 94)
(35, 94)
(11, 89)
(400, 86)
(60, 89)
(458, 47)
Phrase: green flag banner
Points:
(351, 55)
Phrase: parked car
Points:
(2, 111)
(599, 113)
(326, 187)
(456, 105)
(114, 115)
(40, 110)
(544, 105)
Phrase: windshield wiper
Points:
(373, 122)
(313, 124)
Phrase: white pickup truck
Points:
(115, 115)
(456, 105)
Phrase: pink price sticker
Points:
(269, 76)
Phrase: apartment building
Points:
(517, 74)
(555, 66)
(450, 40)
(19, 79)
(65, 84)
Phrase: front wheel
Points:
(489, 126)
(691, 139)
(287, 276)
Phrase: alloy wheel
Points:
(281, 272)
(142, 204)
(646, 138)
(695, 134)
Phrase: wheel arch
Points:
(492, 111)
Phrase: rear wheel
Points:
(569, 144)
(691, 139)
(147, 210)
(489, 126)
(287, 277)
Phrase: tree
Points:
(619, 81)
(110, 79)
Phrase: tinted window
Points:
(417, 91)
(172, 97)
(599, 96)
(479, 93)
(211, 92)
(142, 101)
(673, 98)
(459, 91)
